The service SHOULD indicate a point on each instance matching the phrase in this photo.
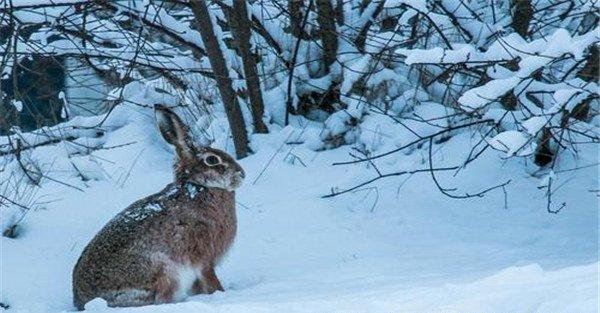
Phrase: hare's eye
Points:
(212, 160)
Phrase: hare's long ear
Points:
(173, 130)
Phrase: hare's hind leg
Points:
(208, 284)
(211, 279)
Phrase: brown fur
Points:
(138, 257)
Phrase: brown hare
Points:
(165, 247)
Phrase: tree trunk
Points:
(521, 16)
(221, 72)
(296, 17)
(326, 19)
(241, 29)
(339, 12)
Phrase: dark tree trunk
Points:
(339, 12)
(221, 72)
(241, 29)
(521, 16)
(326, 18)
(296, 17)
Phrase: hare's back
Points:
(129, 229)
(122, 255)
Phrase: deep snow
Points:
(400, 247)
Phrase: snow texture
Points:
(400, 246)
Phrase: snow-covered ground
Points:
(397, 245)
